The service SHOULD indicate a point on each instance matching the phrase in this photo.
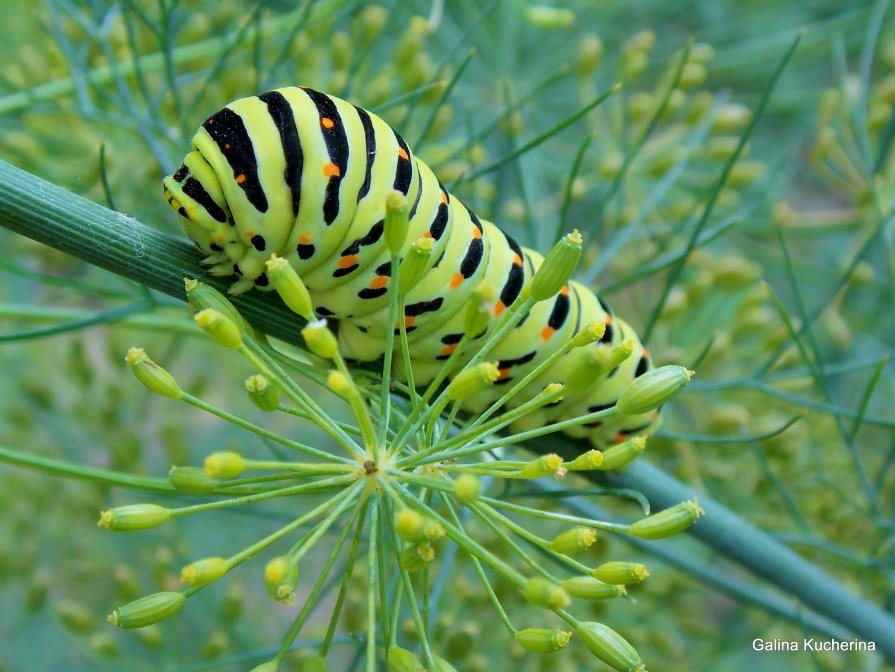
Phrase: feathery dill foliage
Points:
(409, 473)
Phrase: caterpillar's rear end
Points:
(305, 175)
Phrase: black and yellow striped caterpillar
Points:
(305, 175)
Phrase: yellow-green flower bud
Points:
(320, 340)
(147, 610)
(722, 147)
(644, 40)
(543, 593)
(263, 393)
(269, 666)
(339, 383)
(191, 480)
(219, 327)
(401, 660)
(588, 334)
(432, 530)
(610, 647)
(397, 221)
(549, 18)
(701, 52)
(289, 286)
(623, 454)
(281, 578)
(620, 573)
(410, 525)
(542, 640)
(314, 664)
(369, 23)
(634, 63)
(731, 118)
(668, 522)
(204, 571)
(558, 267)
(201, 296)
(744, 173)
(693, 75)
(589, 588)
(608, 358)
(467, 488)
(133, 517)
(652, 389)
(414, 266)
(592, 459)
(153, 376)
(441, 665)
(589, 55)
(473, 380)
(545, 465)
(416, 558)
(577, 540)
(225, 464)
(479, 309)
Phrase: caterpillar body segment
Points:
(304, 175)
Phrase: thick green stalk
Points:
(56, 217)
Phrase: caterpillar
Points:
(305, 175)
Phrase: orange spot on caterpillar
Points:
(505, 372)
(349, 260)
(564, 291)
(241, 178)
(449, 349)
(499, 308)
(379, 281)
(402, 153)
(427, 234)
(443, 198)
(304, 239)
(547, 333)
(645, 353)
(408, 322)
(250, 234)
(331, 170)
(619, 438)
(456, 280)
(607, 319)
(326, 122)
(476, 233)
(220, 239)
(517, 260)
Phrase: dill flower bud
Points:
(402, 660)
(577, 540)
(200, 296)
(191, 480)
(320, 340)
(441, 665)
(473, 380)
(289, 286)
(610, 647)
(623, 454)
(467, 488)
(281, 577)
(414, 266)
(219, 327)
(133, 517)
(204, 571)
(592, 459)
(339, 383)
(543, 593)
(224, 464)
(147, 610)
(652, 389)
(590, 53)
(269, 666)
(588, 334)
(620, 573)
(668, 522)
(542, 640)
(546, 17)
(397, 221)
(557, 268)
(731, 118)
(416, 558)
(545, 465)
(478, 310)
(153, 376)
(262, 393)
(589, 588)
(410, 525)
(314, 664)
